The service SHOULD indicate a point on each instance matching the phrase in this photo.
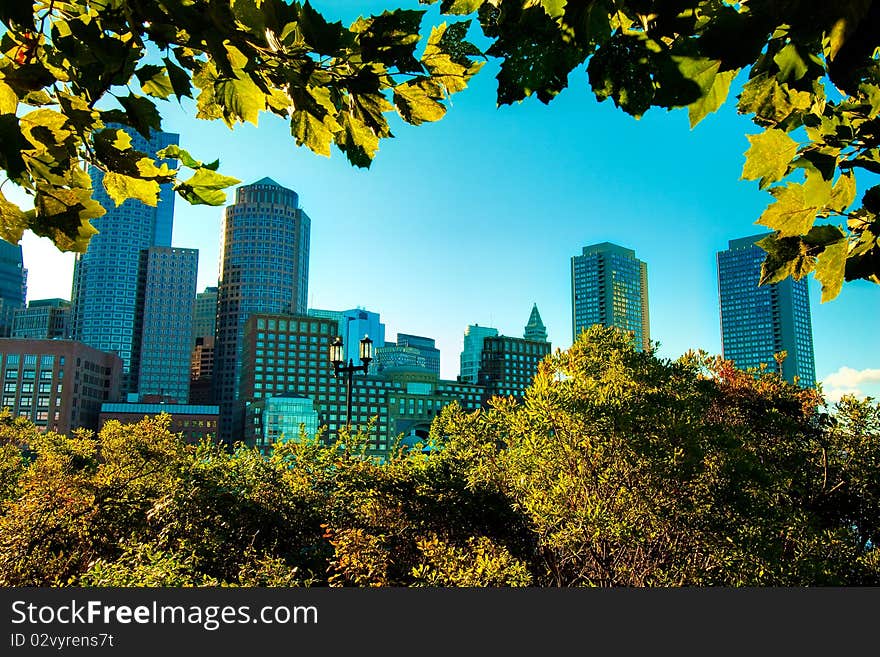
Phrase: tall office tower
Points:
(43, 319)
(354, 325)
(202, 358)
(426, 347)
(609, 286)
(163, 332)
(205, 313)
(535, 329)
(474, 335)
(759, 321)
(264, 268)
(105, 277)
(13, 285)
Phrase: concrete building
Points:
(472, 350)
(105, 277)
(609, 286)
(264, 268)
(508, 365)
(201, 371)
(58, 384)
(194, 422)
(760, 321)
(287, 355)
(162, 346)
(43, 319)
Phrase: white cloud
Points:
(848, 381)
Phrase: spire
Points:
(535, 329)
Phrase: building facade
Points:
(356, 324)
(281, 418)
(13, 285)
(194, 422)
(760, 321)
(205, 313)
(427, 347)
(287, 355)
(508, 365)
(162, 346)
(105, 277)
(472, 350)
(58, 384)
(264, 268)
(609, 286)
(43, 319)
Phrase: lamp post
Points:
(337, 357)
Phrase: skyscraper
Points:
(264, 267)
(43, 319)
(472, 350)
(163, 336)
(609, 286)
(105, 277)
(759, 321)
(205, 313)
(13, 284)
(354, 325)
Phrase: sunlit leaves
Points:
(790, 214)
(768, 157)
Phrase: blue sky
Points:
(474, 218)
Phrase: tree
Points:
(813, 88)
(69, 69)
(639, 471)
(618, 468)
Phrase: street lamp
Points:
(337, 357)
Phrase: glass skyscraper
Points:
(472, 349)
(163, 336)
(105, 277)
(759, 321)
(13, 285)
(264, 268)
(609, 286)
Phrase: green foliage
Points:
(69, 71)
(798, 56)
(618, 469)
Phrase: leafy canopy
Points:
(72, 71)
(812, 87)
(618, 469)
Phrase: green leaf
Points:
(63, 215)
(791, 65)
(554, 8)
(120, 188)
(175, 152)
(8, 99)
(830, 268)
(460, 7)
(241, 99)
(154, 81)
(843, 194)
(713, 98)
(357, 141)
(415, 104)
(205, 187)
(142, 114)
(790, 215)
(786, 256)
(12, 221)
(210, 180)
(313, 132)
(180, 82)
(768, 156)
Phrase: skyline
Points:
(473, 219)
